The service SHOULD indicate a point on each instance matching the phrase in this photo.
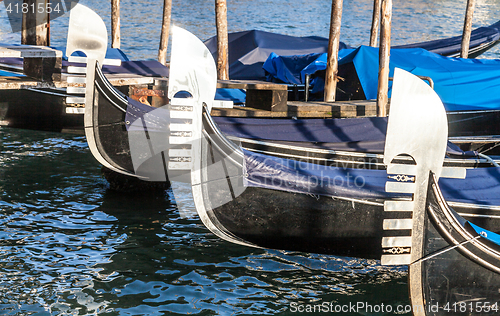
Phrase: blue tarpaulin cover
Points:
(462, 84)
(479, 187)
(453, 45)
(362, 134)
(248, 50)
(150, 68)
(365, 134)
(486, 233)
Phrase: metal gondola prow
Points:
(417, 128)
(192, 68)
(196, 150)
(87, 33)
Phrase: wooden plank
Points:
(222, 39)
(117, 80)
(115, 23)
(384, 52)
(325, 109)
(260, 94)
(375, 23)
(16, 83)
(243, 111)
(165, 29)
(333, 51)
(299, 109)
(29, 51)
(250, 84)
(469, 12)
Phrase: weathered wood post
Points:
(333, 51)
(384, 53)
(165, 29)
(375, 23)
(115, 23)
(35, 25)
(469, 12)
(35, 30)
(222, 39)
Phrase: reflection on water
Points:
(69, 246)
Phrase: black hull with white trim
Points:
(308, 222)
(460, 270)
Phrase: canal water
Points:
(71, 246)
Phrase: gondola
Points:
(53, 113)
(454, 265)
(292, 212)
(333, 142)
(248, 50)
(59, 109)
(458, 270)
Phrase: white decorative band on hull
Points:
(404, 169)
(80, 80)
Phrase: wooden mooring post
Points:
(384, 53)
(36, 31)
(375, 23)
(469, 12)
(222, 39)
(115, 23)
(36, 26)
(165, 29)
(333, 51)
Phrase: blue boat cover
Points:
(462, 84)
(248, 50)
(491, 236)
(453, 45)
(150, 68)
(363, 134)
(480, 186)
(111, 53)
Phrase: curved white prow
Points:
(417, 127)
(192, 68)
(417, 123)
(87, 33)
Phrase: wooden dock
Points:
(298, 109)
(16, 83)
(269, 100)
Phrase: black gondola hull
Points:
(460, 272)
